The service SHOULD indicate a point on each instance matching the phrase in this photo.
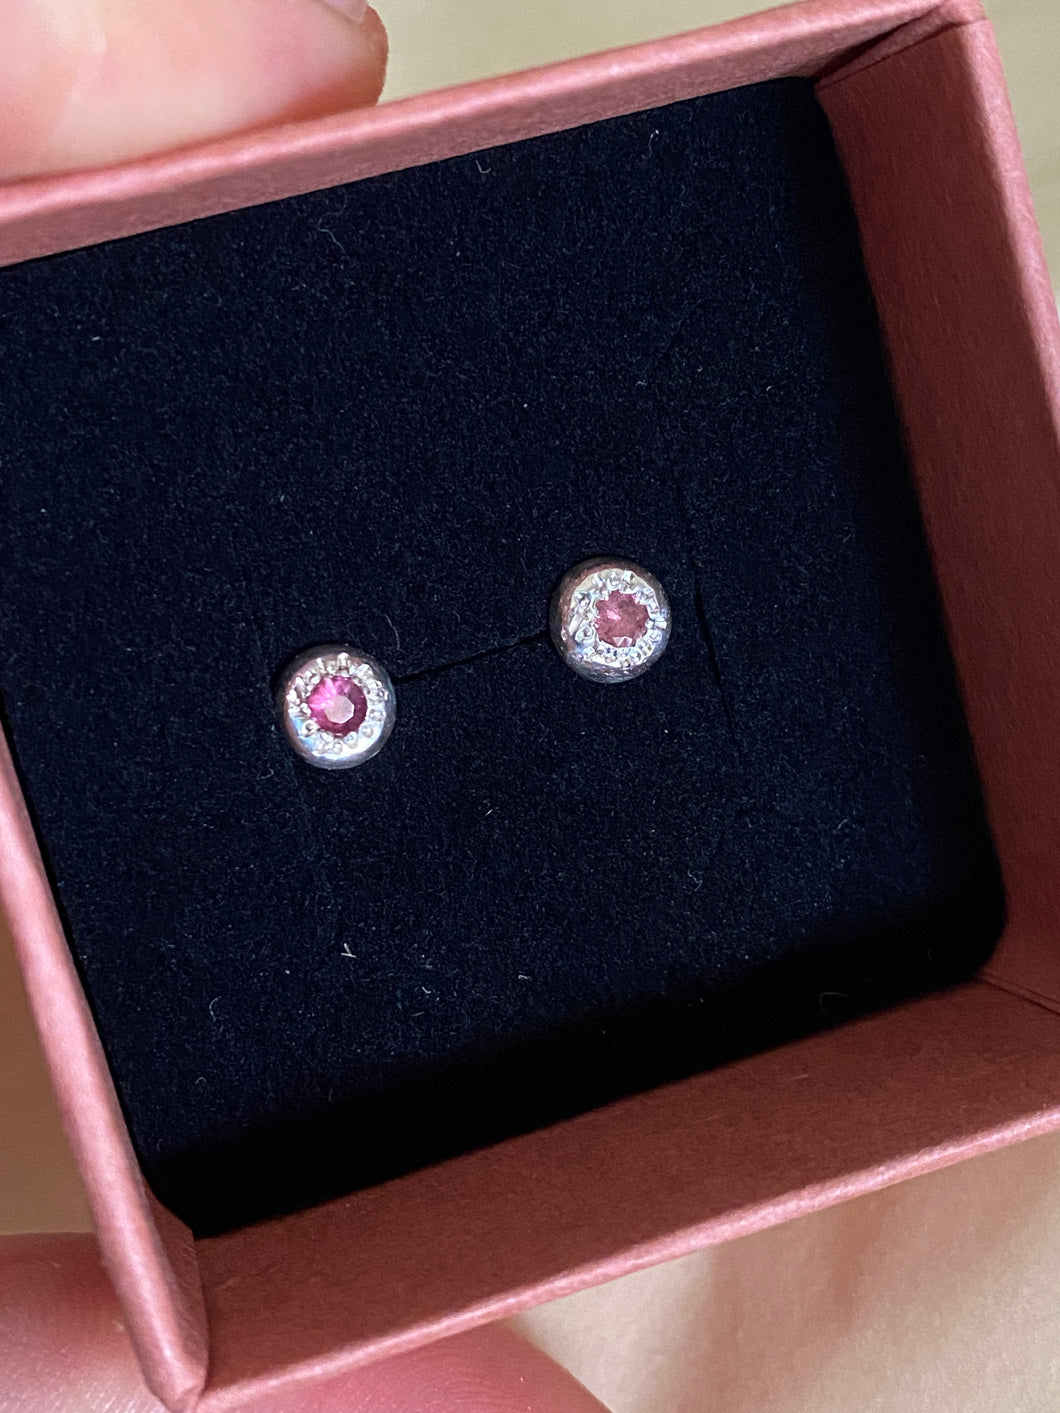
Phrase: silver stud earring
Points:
(610, 619)
(337, 706)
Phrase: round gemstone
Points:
(620, 620)
(338, 705)
(609, 619)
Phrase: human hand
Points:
(63, 1348)
(86, 83)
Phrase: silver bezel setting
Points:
(573, 619)
(315, 744)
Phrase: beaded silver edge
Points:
(572, 619)
(320, 747)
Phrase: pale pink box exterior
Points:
(915, 94)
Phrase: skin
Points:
(63, 1349)
(86, 83)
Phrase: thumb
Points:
(62, 1346)
(84, 83)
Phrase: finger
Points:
(62, 1342)
(89, 82)
(62, 1346)
(489, 1370)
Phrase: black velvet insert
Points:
(393, 414)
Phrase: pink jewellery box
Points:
(916, 101)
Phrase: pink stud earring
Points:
(337, 706)
(610, 619)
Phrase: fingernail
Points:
(353, 9)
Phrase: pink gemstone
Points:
(620, 619)
(337, 705)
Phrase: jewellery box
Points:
(572, 978)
